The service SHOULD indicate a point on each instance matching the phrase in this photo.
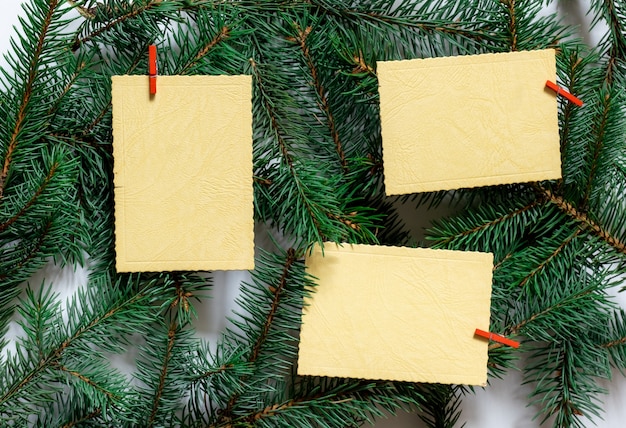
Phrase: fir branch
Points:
(261, 339)
(278, 134)
(98, 118)
(36, 246)
(53, 356)
(276, 292)
(322, 98)
(487, 225)
(517, 328)
(209, 373)
(28, 90)
(221, 36)
(71, 81)
(171, 336)
(86, 380)
(512, 15)
(565, 373)
(582, 218)
(136, 11)
(440, 407)
(451, 28)
(336, 405)
(267, 103)
(600, 131)
(32, 200)
(617, 50)
(94, 414)
(614, 343)
(544, 264)
(88, 13)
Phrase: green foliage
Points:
(559, 246)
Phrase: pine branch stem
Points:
(617, 32)
(322, 98)
(32, 200)
(88, 381)
(28, 90)
(551, 257)
(613, 343)
(85, 418)
(85, 12)
(510, 4)
(54, 356)
(274, 409)
(597, 148)
(260, 341)
(582, 218)
(223, 34)
(491, 223)
(427, 27)
(515, 329)
(209, 373)
(31, 254)
(282, 143)
(277, 292)
(108, 26)
(171, 336)
(66, 89)
(270, 111)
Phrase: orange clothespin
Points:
(152, 68)
(561, 91)
(496, 338)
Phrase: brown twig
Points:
(510, 4)
(87, 380)
(35, 249)
(543, 264)
(614, 23)
(171, 335)
(322, 98)
(222, 35)
(85, 418)
(491, 223)
(28, 91)
(54, 356)
(138, 11)
(582, 218)
(597, 149)
(32, 200)
(260, 341)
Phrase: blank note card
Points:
(183, 173)
(468, 121)
(394, 313)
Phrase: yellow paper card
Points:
(468, 121)
(183, 173)
(394, 313)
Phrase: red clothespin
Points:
(152, 68)
(496, 338)
(561, 91)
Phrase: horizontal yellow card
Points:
(183, 173)
(468, 121)
(395, 313)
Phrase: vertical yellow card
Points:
(468, 121)
(393, 313)
(183, 173)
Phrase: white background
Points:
(501, 404)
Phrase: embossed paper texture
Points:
(183, 173)
(468, 121)
(395, 313)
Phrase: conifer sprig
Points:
(558, 246)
